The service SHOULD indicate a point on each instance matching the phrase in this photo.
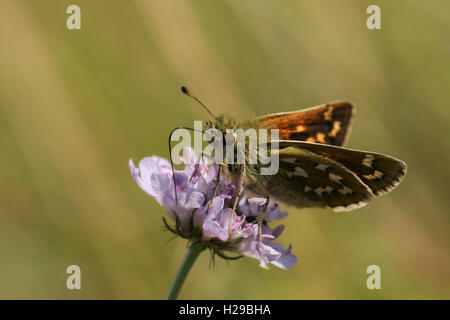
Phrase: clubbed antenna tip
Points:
(188, 93)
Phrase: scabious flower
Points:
(188, 208)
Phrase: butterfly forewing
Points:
(328, 124)
(381, 173)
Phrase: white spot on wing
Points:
(321, 166)
(367, 161)
(289, 160)
(335, 177)
(345, 190)
(300, 172)
(319, 190)
(351, 206)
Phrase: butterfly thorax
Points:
(224, 122)
(228, 125)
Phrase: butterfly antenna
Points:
(188, 93)
(170, 156)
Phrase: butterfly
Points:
(315, 170)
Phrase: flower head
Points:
(188, 207)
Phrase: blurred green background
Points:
(75, 105)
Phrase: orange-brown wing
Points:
(329, 123)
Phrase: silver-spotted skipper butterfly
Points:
(314, 169)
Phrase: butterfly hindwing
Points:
(328, 124)
(306, 179)
(381, 173)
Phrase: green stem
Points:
(193, 252)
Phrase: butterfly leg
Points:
(262, 217)
(219, 175)
(238, 195)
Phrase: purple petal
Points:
(277, 231)
(195, 199)
(267, 254)
(287, 260)
(257, 201)
(200, 215)
(147, 167)
(214, 229)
